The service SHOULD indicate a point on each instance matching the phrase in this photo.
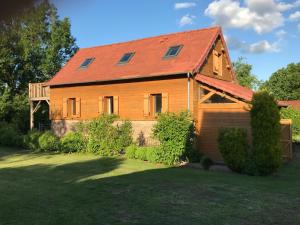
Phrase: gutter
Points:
(188, 91)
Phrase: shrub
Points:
(10, 135)
(176, 134)
(206, 162)
(266, 130)
(233, 147)
(31, 140)
(124, 134)
(130, 151)
(107, 139)
(294, 115)
(152, 154)
(73, 142)
(48, 142)
(141, 153)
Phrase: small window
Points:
(86, 62)
(173, 51)
(71, 107)
(126, 58)
(156, 103)
(109, 104)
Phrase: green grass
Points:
(52, 189)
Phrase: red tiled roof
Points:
(148, 59)
(293, 103)
(226, 86)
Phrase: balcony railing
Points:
(39, 91)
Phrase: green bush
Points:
(206, 162)
(294, 115)
(130, 151)
(152, 155)
(31, 140)
(266, 131)
(10, 136)
(141, 153)
(233, 147)
(49, 142)
(175, 132)
(73, 142)
(108, 139)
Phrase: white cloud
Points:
(295, 16)
(186, 20)
(254, 48)
(260, 15)
(280, 34)
(184, 5)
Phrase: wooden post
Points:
(31, 115)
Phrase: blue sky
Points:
(265, 32)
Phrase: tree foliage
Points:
(265, 117)
(284, 84)
(244, 75)
(34, 46)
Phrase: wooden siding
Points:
(212, 117)
(130, 97)
(207, 68)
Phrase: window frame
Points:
(167, 56)
(154, 104)
(91, 59)
(128, 60)
(109, 105)
(71, 107)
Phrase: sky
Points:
(264, 32)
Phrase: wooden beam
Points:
(207, 96)
(244, 104)
(31, 115)
(36, 108)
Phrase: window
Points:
(109, 104)
(126, 58)
(217, 63)
(86, 62)
(156, 103)
(71, 107)
(173, 51)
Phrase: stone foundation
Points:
(140, 128)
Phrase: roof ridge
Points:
(158, 36)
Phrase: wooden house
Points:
(139, 79)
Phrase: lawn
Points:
(52, 189)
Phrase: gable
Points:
(225, 71)
(148, 59)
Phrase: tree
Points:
(266, 129)
(244, 75)
(284, 84)
(33, 47)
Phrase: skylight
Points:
(173, 51)
(126, 58)
(86, 62)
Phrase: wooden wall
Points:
(131, 97)
(212, 117)
(207, 68)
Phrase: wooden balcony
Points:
(38, 92)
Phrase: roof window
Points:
(126, 58)
(173, 51)
(86, 62)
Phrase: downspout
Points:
(188, 91)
